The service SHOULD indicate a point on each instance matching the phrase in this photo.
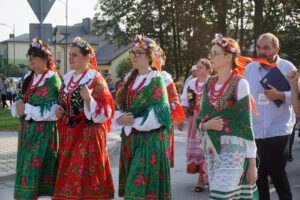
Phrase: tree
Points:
(185, 28)
(123, 67)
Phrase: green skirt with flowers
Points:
(36, 160)
(145, 166)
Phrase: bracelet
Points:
(200, 126)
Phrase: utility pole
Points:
(41, 21)
(242, 25)
(66, 48)
(14, 41)
(14, 45)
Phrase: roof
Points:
(21, 38)
(108, 52)
(79, 30)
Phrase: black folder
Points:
(276, 79)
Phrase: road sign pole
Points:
(41, 21)
(41, 9)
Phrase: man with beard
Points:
(272, 125)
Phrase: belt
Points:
(162, 128)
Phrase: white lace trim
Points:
(248, 144)
(88, 77)
(225, 174)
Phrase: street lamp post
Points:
(14, 41)
(66, 54)
(66, 45)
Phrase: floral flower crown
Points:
(220, 40)
(142, 42)
(39, 44)
(82, 43)
(160, 52)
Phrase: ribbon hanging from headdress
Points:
(219, 39)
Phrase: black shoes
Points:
(199, 189)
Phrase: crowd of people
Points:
(8, 91)
(238, 132)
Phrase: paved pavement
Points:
(9, 143)
(182, 183)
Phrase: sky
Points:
(19, 12)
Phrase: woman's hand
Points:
(86, 93)
(20, 106)
(252, 171)
(216, 123)
(59, 112)
(126, 119)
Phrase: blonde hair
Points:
(235, 57)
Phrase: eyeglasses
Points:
(30, 56)
(136, 54)
(214, 53)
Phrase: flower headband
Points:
(160, 52)
(219, 40)
(142, 42)
(82, 43)
(39, 44)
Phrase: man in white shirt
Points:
(193, 75)
(272, 125)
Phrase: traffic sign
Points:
(34, 32)
(41, 8)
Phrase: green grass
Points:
(7, 122)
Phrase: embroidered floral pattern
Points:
(83, 154)
(37, 140)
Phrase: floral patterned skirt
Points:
(145, 166)
(195, 157)
(36, 160)
(171, 143)
(84, 168)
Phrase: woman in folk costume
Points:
(176, 109)
(225, 121)
(37, 140)
(85, 119)
(190, 101)
(144, 114)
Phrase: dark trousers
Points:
(292, 137)
(3, 98)
(273, 154)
